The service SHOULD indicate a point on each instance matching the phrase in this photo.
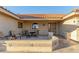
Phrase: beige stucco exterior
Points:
(29, 46)
(43, 30)
(59, 25)
(69, 26)
(7, 23)
(64, 25)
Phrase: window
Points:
(20, 25)
(35, 26)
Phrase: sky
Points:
(41, 9)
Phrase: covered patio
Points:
(41, 26)
(44, 24)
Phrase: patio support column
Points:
(77, 34)
(49, 27)
(57, 28)
(50, 33)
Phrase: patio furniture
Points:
(32, 33)
(27, 33)
(2, 37)
(35, 33)
(12, 35)
(19, 35)
(24, 33)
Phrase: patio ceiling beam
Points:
(42, 19)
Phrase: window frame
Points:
(20, 25)
(35, 26)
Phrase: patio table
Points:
(32, 33)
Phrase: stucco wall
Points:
(7, 23)
(43, 30)
(74, 35)
(29, 46)
(69, 25)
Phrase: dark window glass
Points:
(34, 25)
(20, 25)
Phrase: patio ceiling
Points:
(54, 17)
(47, 21)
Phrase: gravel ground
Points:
(67, 46)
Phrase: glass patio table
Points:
(32, 33)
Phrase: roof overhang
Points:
(69, 15)
(35, 17)
(41, 16)
(41, 19)
(73, 13)
(5, 11)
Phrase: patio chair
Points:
(36, 33)
(2, 37)
(27, 33)
(12, 35)
(18, 35)
(21, 34)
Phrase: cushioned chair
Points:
(2, 37)
(12, 35)
(36, 33)
(27, 33)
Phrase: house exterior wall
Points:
(29, 45)
(69, 26)
(5, 11)
(43, 27)
(77, 28)
(7, 23)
